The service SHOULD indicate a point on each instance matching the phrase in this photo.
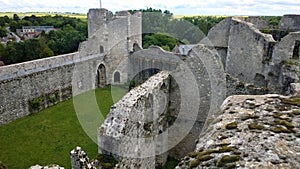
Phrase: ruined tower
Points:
(120, 30)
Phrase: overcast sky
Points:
(178, 7)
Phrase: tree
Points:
(3, 32)
(16, 17)
(164, 41)
(13, 26)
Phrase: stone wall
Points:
(257, 22)
(248, 51)
(260, 131)
(132, 129)
(31, 86)
(284, 49)
(116, 35)
(200, 89)
(290, 23)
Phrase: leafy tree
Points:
(164, 41)
(3, 32)
(66, 40)
(204, 23)
(272, 20)
(16, 17)
(13, 26)
(11, 53)
(2, 21)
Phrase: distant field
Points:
(21, 15)
(181, 16)
(49, 136)
(74, 15)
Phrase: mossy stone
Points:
(204, 158)
(279, 129)
(194, 163)
(296, 112)
(201, 153)
(224, 149)
(231, 126)
(246, 117)
(284, 123)
(292, 101)
(256, 126)
(227, 159)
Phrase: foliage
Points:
(132, 84)
(36, 103)
(66, 40)
(106, 161)
(30, 49)
(170, 164)
(190, 30)
(204, 23)
(166, 42)
(3, 32)
(272, 20)
(16, 17)
(49, 136)
(71, 31)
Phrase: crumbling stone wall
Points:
(257, 22)
(199, 78)
(284, 49)
(290, 23)
(115, 35)
(260, 131)
(80, 160)
(248, 50)
(131, 130)
(236, 87)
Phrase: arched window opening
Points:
(101, 49)
(117, 77)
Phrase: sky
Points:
(177, 7)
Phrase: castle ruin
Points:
(112, 55)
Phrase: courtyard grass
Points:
(48, 136)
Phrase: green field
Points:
(39, 14)
(49, 136)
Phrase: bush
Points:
(36, 103)
(132, 84)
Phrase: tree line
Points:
(66, 39)
(162, 29)
(159, 28)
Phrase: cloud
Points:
(217, 7)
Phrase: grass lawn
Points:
(49, 136)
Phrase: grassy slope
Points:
(47, 137)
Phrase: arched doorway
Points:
(117, 77)
(101, 76)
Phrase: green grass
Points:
(49, 136)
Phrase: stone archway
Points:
(117, 77)
(101, 76)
